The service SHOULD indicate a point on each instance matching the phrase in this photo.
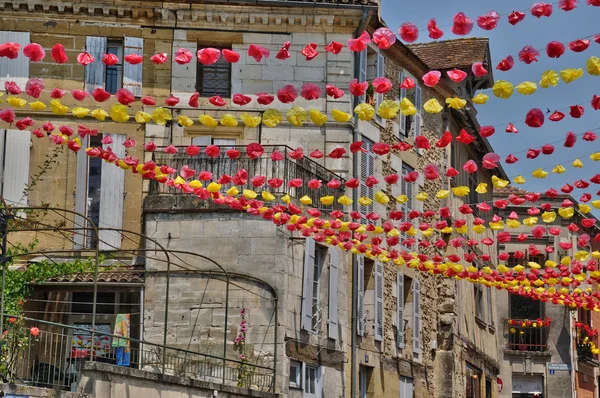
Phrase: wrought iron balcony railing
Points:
(587, 347)
(527, 335)
(285, 169)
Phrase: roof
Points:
(103, 277)
(454, 53)
(519, 191)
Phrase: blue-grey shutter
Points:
(81, 193)
(360, 299)
(379, 319)
(402, 117)
(132, 74)
(334, 261)
(15, 70)
(400, 306)
(418, 122)
(307, 291)
(362, 75)
(95, 73)
(380, 66)
(416, 338)
(112, 186)
(17, 148)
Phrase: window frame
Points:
(220, 65)
(472, 373)
(297, 367)
(317, 314)
(119, 67)
(317, 381)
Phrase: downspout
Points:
(356, 137)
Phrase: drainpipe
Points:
(356, 137)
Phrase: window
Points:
(83, 303)
(478, 296)
(214, 79)
(404, 304)
(488, 388)
(473, 197)
(584, 316)
(407, 189)
(312, 382)
(473, 382)
(205, 140)
(524, 307)
(415, 95)
(93, 192)
(314, 258)
(114, 73)
(364, 381)
(320, 253)
(367, 168)
(15, 149)
(406, 387)
(295, 374)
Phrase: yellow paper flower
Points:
(584, 209)
(213, 187)
(566, 212)
(37, 106)
(195, 184)
(478, 229)
(80, 112)
(327, 200)
(119, 113)
(272, 118)
(596, 204)
(57, 108)
(481, 188)
(340, 116)
(499, 182)
(402, 199)
(513, 223)
(184, 121)
(16, 102)
(249, 120)
(577, 164)
(344, 200)
(539, 173)
(388, 109)
(208, 121)
(456, 103)
(593, 66)
(364, 112)
(558, 169)
(365, 201)
(519, 180)
(548, 217)
(433, 106)
(305, 200)
(442, 194)
(461, 191)
(530, 221)
(462, 230)
(142, 117)
(595, 156)
(421, 197)
(99, 114)
(571, 74)
(497, 226)
(286, 199)
(249, 194)
(502, 89)
(296, 116)
(233, 191)
(480, 99)
(317, 117)
(381, 197)
(526, 88)
(161, 116)
(407, 108)
(229, 120)
(549, 78)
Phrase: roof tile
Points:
(455, 53)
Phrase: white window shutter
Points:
(112, 185)
(490, 307)
(418, 122)
(95, 73)
(402, 123)
(81, 193)
(17, 148)
(132, 74)
(14, 70)
(418, 205)
(360, 299)
(334, 261)
(416, 339)
(379, 318)
(380, 73)
(400, 306)
(307, 291)
(362, 75)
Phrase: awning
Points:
(522, 384)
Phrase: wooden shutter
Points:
(490, 307)
(380, 73)
(17, 147)
(95, 73)
(112, 185)
(132, 74)
(360, 299)
(307, 291)
(416, 340)
(379, 320)
(418, 116)
(334, 261)
(362, 73)
(418, 205)
(14, 70)
(402, 123)
(367, 168)
(81, 193)
(400, 307)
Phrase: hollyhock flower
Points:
(310, 91)
(408, 32)
(431, 78)
(360, 43)
(534, 118)
(579, 45)
(555, 49)
(488, 21)
(333, 91)
(206, 56)
(528, 55)
(478, 69)
(310, 51)
(258, 52)
(110, 59)
(159, 58)
(539, 10)
(434, 32)
(462, 25)
(456, 75)
(334, 47)
(506, 64)
(134, 59)
(10, 50)
(34, 52)
(264, 98)
(287, 94)
(384, 38)
(58, 53)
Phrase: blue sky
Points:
(509, 40)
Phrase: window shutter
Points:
(400, 306)
(362, 76)
(132, 74)
(334, 261)
(490, 308)
(379, 320)
(307, 291)
(95, 73)
(380, 73)
(360, 299)
(17, 147)
(112, 183)
(416, 340)
(367, 168)
(81, 191)
(15, 70)
(418, 118)
(418, 205)
(402, 117)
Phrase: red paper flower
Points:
(38, 133)
(487, 131)
(337, 153)
(556, 116)
(548, 149)
(570, 140)
(264, 98)
(444, 140)
(241, 99)
(431, 78)
(333, 91)
(110, 59)
(334, 184)
(511, 129)
(124, 96)
(231, 56)
(34, 87)
(488, 21)
(159, 58)
(254, 150)
(217, 101)
(465, 137)
(148, 101)
(258, 52)
(384, 38)
(576, 111)
(456, 75)
(434, 32)
(284, 52)
(310, 51)
(408, 32)
(310, 91)
(515, 17)
(358, 89)
(48, 126)
(101, 95)
(192, 150)
(596, 102)
(296, 154)
(357, 146)
(170, 101)
(10, 50)
(421, 142)
(539, 10)
(470, 166)
(431, 171)
(58, 53)
(529, 54)
(381, 148)
(382, 85)
(233, 153)
(490, 161)
(334, 47)
(360, 43)
(408, 83)
(506, 64)
(534, 118)
(391, 179)
(34, 52)
(150, 146)
(134, 59)
(555, 49)
(533, 153)
(579, 45)
(462, 25)
(287, 94)
(478, 69)
(316, 154)
(12, 88)
(567, 5)
(79, 95)
(206, 56)
(193, 102)
(589, 136)
(25, 123)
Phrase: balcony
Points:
(586, 340)
(527, 335)
(285, 169)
